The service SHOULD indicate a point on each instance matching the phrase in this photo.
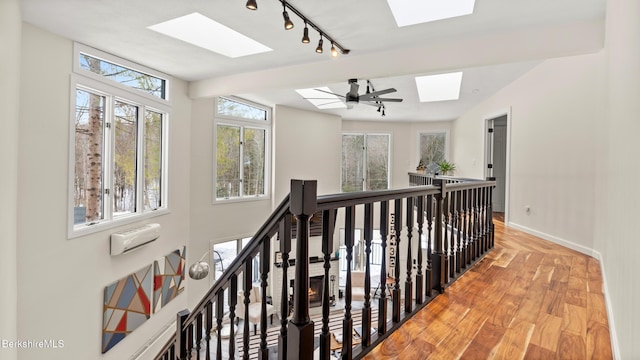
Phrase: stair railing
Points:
(440, 229)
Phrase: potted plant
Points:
(446, 167)
(421, 168)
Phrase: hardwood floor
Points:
(527, 299)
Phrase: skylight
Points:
(411, 12)
(199, 30)
(439, 87)
(320, 99)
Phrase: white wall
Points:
(10, 36)
(618, 195)
(61, 281)
(211, 223)
(554, 111)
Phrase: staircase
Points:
(431, 233)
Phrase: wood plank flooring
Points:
(527, 299)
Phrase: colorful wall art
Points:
(126, 306)
(168, 281)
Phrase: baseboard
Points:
(615, 349)
(152, 347)
(566, 243)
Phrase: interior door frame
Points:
(487, 119)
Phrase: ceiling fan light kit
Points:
(288, 25)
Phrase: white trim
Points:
(615, 348)
(81, 48)
(507, 177)
(151, 348)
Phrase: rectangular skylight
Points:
(410, 12)
(320, 99)
(439, 87)
(206, 33)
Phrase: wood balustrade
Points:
(447, 227)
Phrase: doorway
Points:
(496, 160)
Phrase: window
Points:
(365, 162)
(433, 150)
(118, 136)
(242, 142)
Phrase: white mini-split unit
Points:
(132, 239)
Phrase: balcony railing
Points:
(430, 234)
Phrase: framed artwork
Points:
(168, 278)
(127, 305)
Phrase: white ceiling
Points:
(502, 40)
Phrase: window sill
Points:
(83, 230)
(220, 201)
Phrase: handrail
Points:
(453, 213)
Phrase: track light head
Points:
(334, 52)
(252, 5)
(288, 24)
(305, 34)
(319, 48)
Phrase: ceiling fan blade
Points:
(327, 92)
(382, 99)
(377, 93)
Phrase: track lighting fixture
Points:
(334, 52)
(319, 48)
(288, 25)
(252, 5)
(305, 34)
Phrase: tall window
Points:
(365, 162)
(242, 139)
(433, 150)
(118, 161)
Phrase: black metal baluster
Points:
(396, 288)
(246, 293)
(198, 339)
(285, 247)
(366, 310)
(428, 282)
(265, 266)
(347, 322)
(382, 303)
(328, 226)
(219, 317)
(419, 279)
(233, 301)
(208, 327)
(408, 281)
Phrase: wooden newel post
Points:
(438, 261)
(181, 334)
(302, 204)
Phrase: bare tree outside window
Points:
(432, 150)
(365, 162)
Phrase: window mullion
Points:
(108, 164)
(140, 146)
(241, 166)
(364, 162)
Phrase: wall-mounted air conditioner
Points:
(129, 240)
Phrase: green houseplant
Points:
(446, 167)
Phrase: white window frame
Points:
(223, 119)
(94, 83)
(433, 132)
(364, 163)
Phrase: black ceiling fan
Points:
(370, 97)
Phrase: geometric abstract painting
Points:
(126, 306)
(168, 278)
